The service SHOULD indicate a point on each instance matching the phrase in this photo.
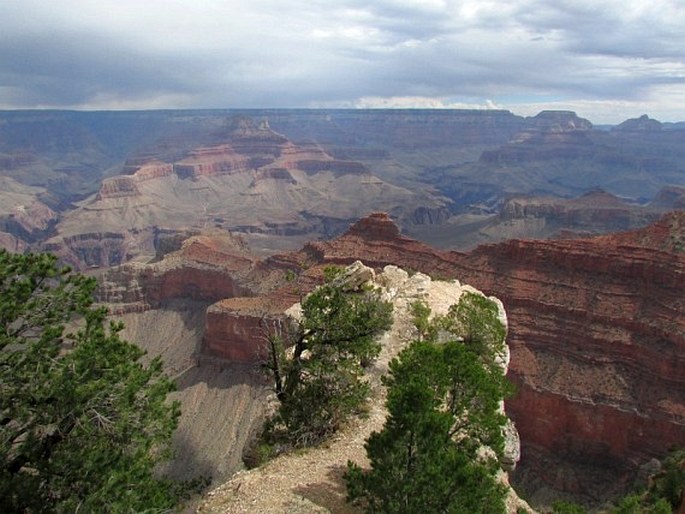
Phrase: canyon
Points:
(595, 329)
(203, 227)
(282, 177)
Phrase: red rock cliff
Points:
(206, 268)
(596, 332)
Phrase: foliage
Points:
(634, 504)
(563, 507)
(420, 313)
(317, 363)
(443, 407)
(669, 484)
(82, 421)
(475, 319)
(666, 490)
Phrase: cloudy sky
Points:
(606, 59)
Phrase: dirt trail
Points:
(311, 481)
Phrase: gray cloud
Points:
(289, 53)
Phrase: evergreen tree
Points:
(443, 408)
(82, 421)
(317, 363)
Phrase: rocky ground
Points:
(595, 336)
(221, 403)
(311, 480)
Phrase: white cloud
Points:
(220, 53)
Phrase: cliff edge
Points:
(311, 481)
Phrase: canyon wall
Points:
(596, 331)
(205, 268)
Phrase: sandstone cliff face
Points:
(118, 187)
(134, 172)
(301, 473)
(206, 268)
(594, 212)
(92, 249)
(598, 351)
(236, 328)
(596, 334)
(147, 169)
(218, 160)
(558, 121)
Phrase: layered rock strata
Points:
(596, 336)
(293, 477)
(236, 328)
(598, 352)
(244, 177)
(206, 268)
(596, 332)
(594, 212)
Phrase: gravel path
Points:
(311, 481)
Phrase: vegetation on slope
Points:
(664, 494)
(317, 363)
(83, 422)
(444, 397)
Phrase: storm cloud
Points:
(607, 60)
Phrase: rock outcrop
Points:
(206, 268)
(118, 187)
(134, 171)
(236, 328)
(640, 125)
(598, 351)
(670, 197)
(146, 168)
(596, 330)
(596, 333)
(92, 249)
(217, 160)
(297, 475)
(595, 212)
(24, 216)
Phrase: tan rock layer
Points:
(596, 330)
(596, 333)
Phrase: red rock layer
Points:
(597, 333)
(218, 160)
(598, 351)
(134, 172)
(118, 187)
(236, 328)
(206, 268)
(152, 170)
